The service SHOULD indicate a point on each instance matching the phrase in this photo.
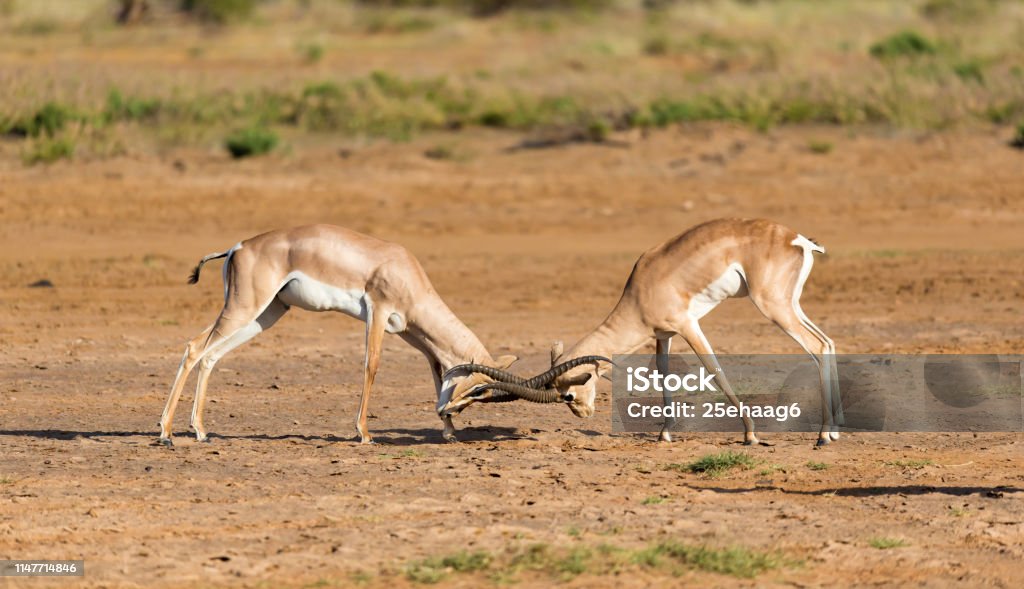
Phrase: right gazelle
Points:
(670, 289)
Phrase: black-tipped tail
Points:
(194, 276)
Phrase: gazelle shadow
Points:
(994, 491)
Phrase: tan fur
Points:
(666, 279)
(397, 296)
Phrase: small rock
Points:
(42, 283)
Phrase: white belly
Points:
(727, 285)
(304, 292)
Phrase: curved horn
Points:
(520, 391)
(556, 371)
(495, 373)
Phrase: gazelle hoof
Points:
(833, 435)
(450, 438)
(165, 442)
(823, 441)
(665, 437)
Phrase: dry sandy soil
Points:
(527, 246)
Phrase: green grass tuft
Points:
(736, 561)
(47, 151)
(435, 570)
(820, 147)
(817, 465)
(903, 44)
(883, 543)
(914, 464)
(714, 465)
(50, 119)
(219, 11)
(250, 141)
(1018, 139)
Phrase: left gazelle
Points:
(328, 268)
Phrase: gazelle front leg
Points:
(375, 323)
(663, 346)
(695, 337)
(437, 371)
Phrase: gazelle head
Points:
(459, 383)
(572, 382)
(577, 388)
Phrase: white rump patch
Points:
(807, 244)
(721, 288)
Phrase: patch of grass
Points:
(47, 151)
(442, 152)
(659, 44)
(435, 570)
(120, 108)
(959, 511)
(312, 52)
(50, 119)
(903, 44)
(817, 465)
(386, 21)
(653, 500)
(250, 141)
(957, 10)
(715, 465)
(735, 561)
(914, 464)
(884, 543)
(218, 11)
(1018, 139)
(403, 454)
(970, 71)
(6, 481)
(820, 147)
(37, 27)
(564, 563)
(574, 532)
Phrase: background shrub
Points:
(903, 44)
(251, 141)
(219, 11)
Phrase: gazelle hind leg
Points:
(274, 311)
(663, 346)
(785, 315)
(695, 338)
(829, 358)
(194, 350)
(376, 321)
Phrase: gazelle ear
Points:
(556, 351)
(578, 380)
(505, 361)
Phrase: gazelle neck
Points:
(445, 339)
(622, 332)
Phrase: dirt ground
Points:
(527, 246)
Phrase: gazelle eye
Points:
(569, 397)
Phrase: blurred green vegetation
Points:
(393, 69)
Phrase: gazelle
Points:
(328, 268)
(670, 289)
